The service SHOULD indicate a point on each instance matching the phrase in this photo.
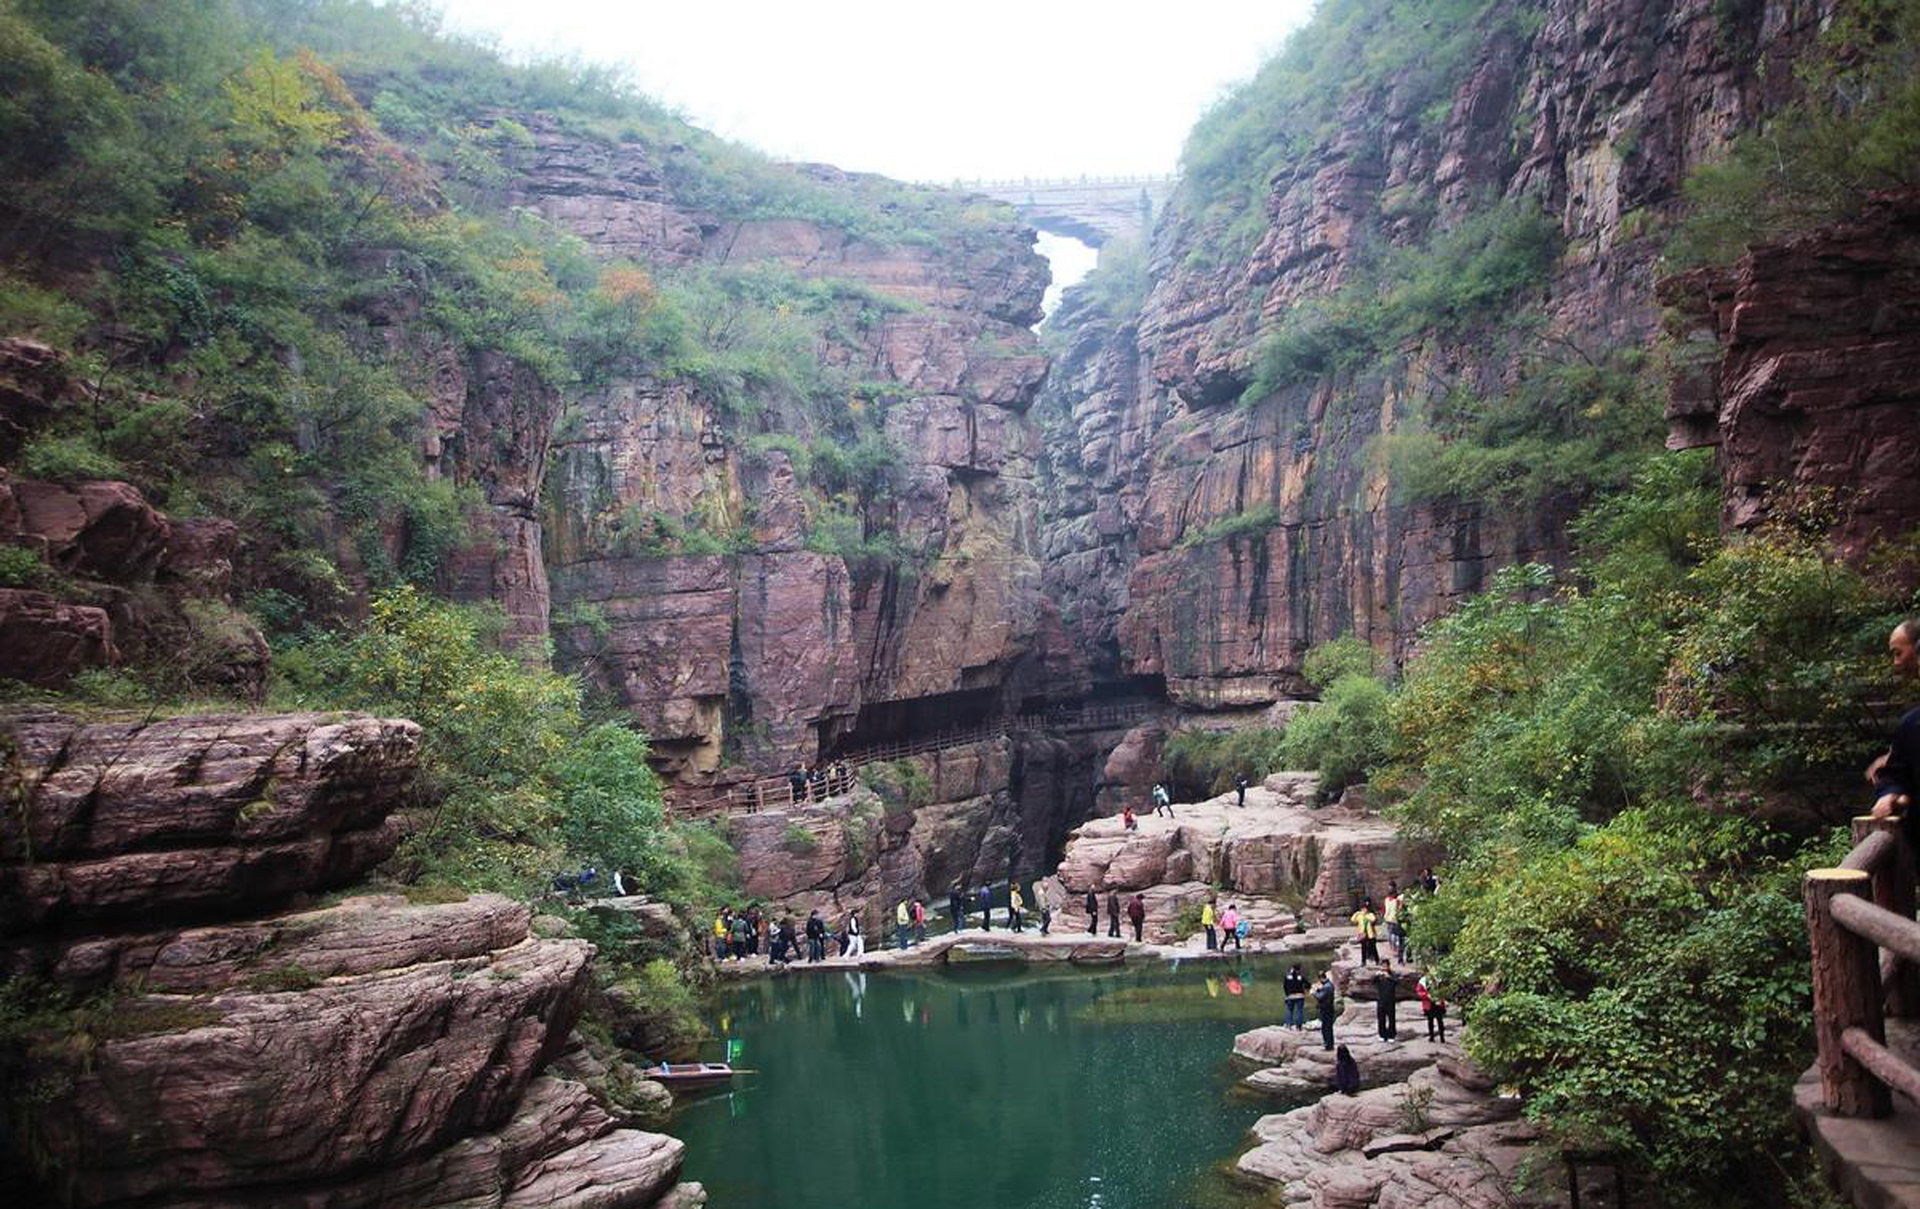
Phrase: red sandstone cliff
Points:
(1596, 112)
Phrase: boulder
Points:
(45, 640)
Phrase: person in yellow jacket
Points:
(1207, 921)
(722, 928)
(1368, 926)
(1016, 903)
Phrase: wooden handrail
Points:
(1866, 967)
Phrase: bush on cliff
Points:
(1200, 763)
(1857, 130)
(517, 784)
(1624, 763)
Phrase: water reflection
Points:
(1077, 1089)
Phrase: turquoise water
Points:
(981, 1088)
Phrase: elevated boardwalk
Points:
(777, 793)
(1859, 1104)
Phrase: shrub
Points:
(798, 840)
(69, 458)
(1241, 524)
(902, 785)
(1344, 736)
(1205, 762)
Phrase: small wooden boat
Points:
(691, 1074)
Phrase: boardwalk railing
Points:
(775, 793)
(1866, 967)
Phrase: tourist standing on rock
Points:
(816, 937)
(1295, 987)
(919, 917)
(1346, 1073)
(797, 784)
(1162, 800)
(1093, 913)
(1323, 999)
(742, 937)
(1230, 928)
(1046, 910)
(1137, 915)
(901, 922)
(1386, 1010)
(1206, 922)
(1433, 1008)
(1367, 924)
(722, 929)
(856, 943)
(955, 897)
(1240, 788)
(756, 926)
(986, 908)
(1390, 912)
(1016, 903)
(1113, 914)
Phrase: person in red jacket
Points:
(1137, 914)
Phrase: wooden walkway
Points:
(778, 792)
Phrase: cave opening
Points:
(910, 718)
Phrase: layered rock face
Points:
(226, 1051)
(1812, 372)
(769, 653)
(1211, 544)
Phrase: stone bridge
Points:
(1091, 209)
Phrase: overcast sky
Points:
(917, 89)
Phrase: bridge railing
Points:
(776, 793)
(1866, 967)
(1060, 182)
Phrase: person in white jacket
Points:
(856, 943)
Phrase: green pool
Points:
(993, 1087)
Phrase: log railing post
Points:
(1893, 891)
(1846, 994)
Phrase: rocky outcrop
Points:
(1211, 544)
(45, 640)
(1278, 858)
(1442, 1137)
(219, 1049)
(1810, 372)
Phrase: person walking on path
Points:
(954, 897)
(1016, 903)
(1230, 928)
(1390, 913)
(1207, 921)
(1367, 924)
(786, 945)
(1240, 788)
(1323, 1000)
(986, 908)
(1162, 800)
(919, 917)
(1113, 914)
(1046, 911)
(1295, 987)
(1093, 914)
(1386, 1010)
(856, 943)
(1137, 915)
(816, 937)
(901, 922)
(1346, 1073)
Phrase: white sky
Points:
(920, 90)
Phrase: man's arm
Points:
(1893, 781)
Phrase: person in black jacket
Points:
(1113, 914)
(1387, 986)
(1895, 773)
(1346, 1073)
(955, 897)
(816, 937)
(1093, 913)
(1323, 999)
(986, 908)
(1295, 986)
